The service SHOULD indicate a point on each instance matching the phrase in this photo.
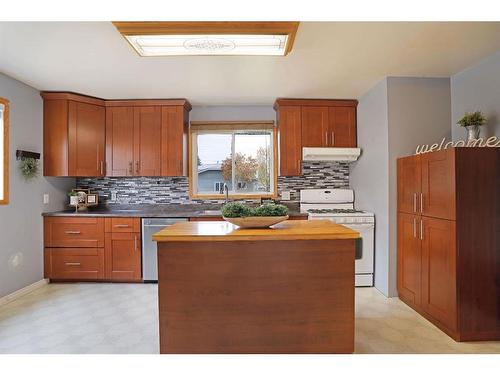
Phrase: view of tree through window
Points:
(242, 160)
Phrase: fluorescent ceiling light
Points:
(209, 38)
(172, 45)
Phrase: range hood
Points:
(330, 154)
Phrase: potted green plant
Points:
(472, 121)
(263, 216)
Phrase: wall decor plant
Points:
(28, 167)
(472, 121)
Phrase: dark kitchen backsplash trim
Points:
(174, 190)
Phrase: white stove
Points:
(337, 205)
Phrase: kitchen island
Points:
(286, 289)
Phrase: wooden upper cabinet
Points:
(290, 140)
(147, 141)
(120, 141)
(438, 184)
(342, 126)
(91, 137)
(74, 135)
(315, 128)
(409, 184)
(174, 141)
(86, 133)
(439, 282)
(409, 258)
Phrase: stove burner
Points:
(333, 211)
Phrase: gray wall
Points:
(418, 113)
(393, 118)
(477, 89)
(370, 174)
(233, 113)
(21, 238)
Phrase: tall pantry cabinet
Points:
(449, 239)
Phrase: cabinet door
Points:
(147, 141)
(409, 258)
(174, 133)
(290, 140)
(342, 127)
(438, 184)
(119, 141)
(86, 135)
(409, 184)
(439, 270)
(123, 256)
(315, 129)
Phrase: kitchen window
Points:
(4, 151)
(239, 155)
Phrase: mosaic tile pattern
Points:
(316, 175)
(123, 318)
(174, 190)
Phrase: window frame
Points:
(197, 127)
(5, 161)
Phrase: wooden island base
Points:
(256, 296)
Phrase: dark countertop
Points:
(158, 210)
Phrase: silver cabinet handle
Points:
(414, 202)
(135, 243)
(414, 227)
(326, 138)
(72, 264)
(421, 202)
(421, 229)
(102, 168)
(137, 167)
(130, 168)
(333, 138)
(122, 226)
(73, 232)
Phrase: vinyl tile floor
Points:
(123, 318)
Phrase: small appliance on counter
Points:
(337, 205)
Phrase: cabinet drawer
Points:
(74, 232)
(75, 263)
(123, 225)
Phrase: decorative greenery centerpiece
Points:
(472, 121)
(254, 217)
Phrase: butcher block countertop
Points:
(224, 231)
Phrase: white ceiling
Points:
(329, 60)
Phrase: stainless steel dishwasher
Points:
(149, 251)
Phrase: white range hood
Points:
(330, 154)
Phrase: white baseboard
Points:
(21, 292)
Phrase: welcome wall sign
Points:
(480, 142)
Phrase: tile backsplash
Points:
(164, 190)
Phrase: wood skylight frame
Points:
(130, 30)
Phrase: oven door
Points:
(364, 254)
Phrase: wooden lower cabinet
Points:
(74, 263)
(123, 256)
(439, 281)
(123, 249)
(409, 258)
(92, 249)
